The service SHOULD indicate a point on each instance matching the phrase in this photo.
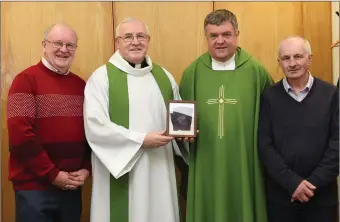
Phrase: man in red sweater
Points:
(49, 156)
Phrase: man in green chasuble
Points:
(225, 179)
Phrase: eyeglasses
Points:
(129, 38)
(60, 44)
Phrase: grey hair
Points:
(130, 19)
(47, 31)
(220, 16)
(306, 45)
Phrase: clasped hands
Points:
(71, 180)
(304, 192)
(158, 139)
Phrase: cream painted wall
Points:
(335, 37)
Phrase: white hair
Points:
(130, 19)
(306, 44)
(47, 32)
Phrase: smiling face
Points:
(133, 41)
(60, 58)
(222, 40)
(294, 58)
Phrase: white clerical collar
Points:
(118, 61)
(50, 67)
(307, 87)
(230, 64)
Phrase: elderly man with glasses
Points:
(49, 156)
(125, 119)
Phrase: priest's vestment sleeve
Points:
(118, 148)
(266, 79)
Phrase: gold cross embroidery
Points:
(221, 101)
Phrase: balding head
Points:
(128, 20)
(296, 40)
(60, 26)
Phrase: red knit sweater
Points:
(45, 127)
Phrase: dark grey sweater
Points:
(300, 140)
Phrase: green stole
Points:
(119, 114)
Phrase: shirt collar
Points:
(50, 67)
(306, 88)
(118, 61)
(230, 64)
(139, 66)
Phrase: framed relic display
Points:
(181, 118)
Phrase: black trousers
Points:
(48, 205)
(280, 213)
(183, 168)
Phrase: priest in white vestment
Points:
(141, 150)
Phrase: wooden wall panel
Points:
(22, 28)
(177, 38)
(176, 30)
(260, 35)
(317, 28)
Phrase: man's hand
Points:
(187, 139)
(79, 176)
(156, 139)
(64, 182)
(304, 192)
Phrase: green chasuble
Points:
(119, 114)
(225, 178)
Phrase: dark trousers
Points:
(280, 213)
(48, 205)
(183, 169)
